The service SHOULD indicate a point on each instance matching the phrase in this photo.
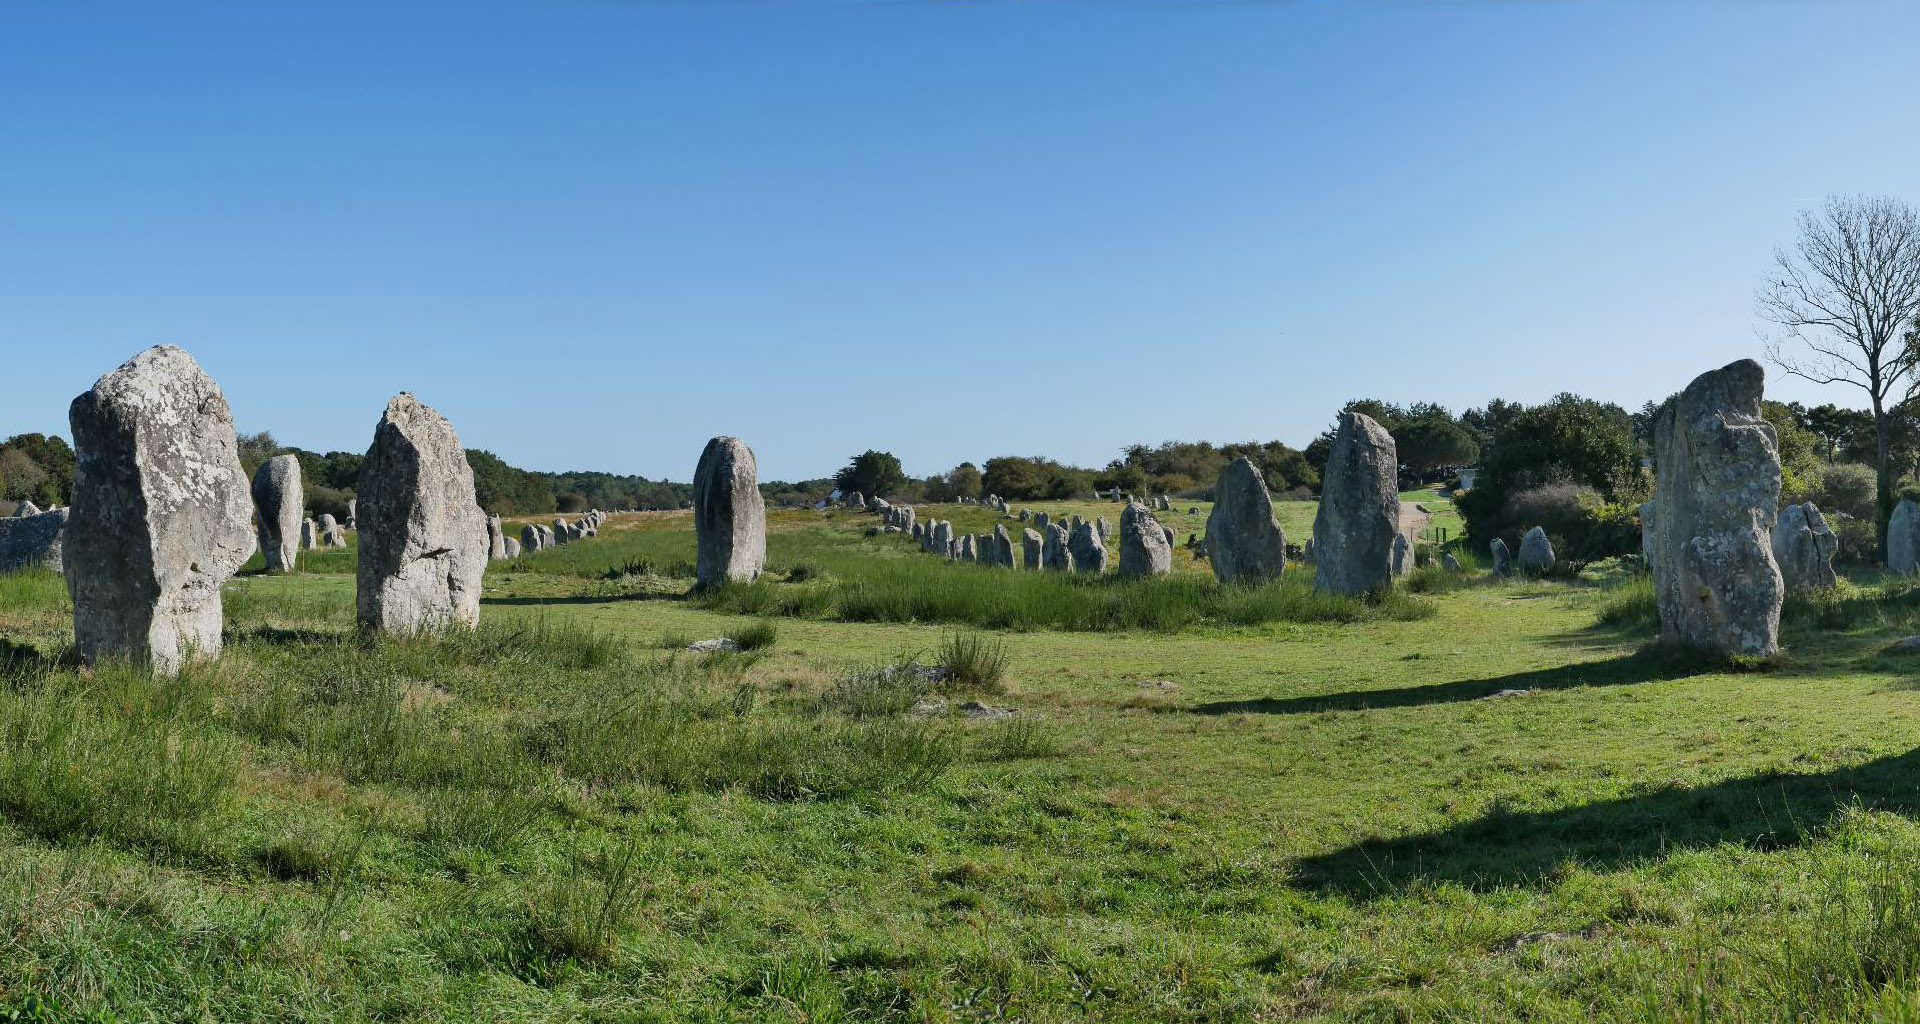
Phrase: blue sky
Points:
(595, 233)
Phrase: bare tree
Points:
(1845, 292)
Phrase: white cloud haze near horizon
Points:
(595, 235)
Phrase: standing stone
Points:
(907, 517)
(1244, 540)
(327, 532)
(423, 545)
(1646, 534)
(1502, 558)
(919, 533)
(1803, 547)
(1718, 466)
(1449, 563)
(1040, 521)
(1536, 552)
(1002, 547)
(496, 539)
(729, 516)
(353, 513)
(33, 541)
(967, 552)
(161, 512)
(1903, 538)
(1025, 515)
(529, 538)
(277, 501)
(510, 548)
(560, 535)
(309, 535)
(1168, 532)
(1359, 509)
(1056, 552)
(1144, 548)
(1089, 555)
(1101, 527)
(546, 538)
(943, 538)
(1402, 557)
(1031, 545)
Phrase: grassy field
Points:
(1483, 802)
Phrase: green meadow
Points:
(1470, 800)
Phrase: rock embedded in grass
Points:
(277, 500)
(162, 512)
(1244, 541)
(1144, 548)
(1502, 559)
(423, 543)
(729, 516)
(1718, 467)
(1359, 513)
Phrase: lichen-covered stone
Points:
(1244, 540)
(1359, 512)
(423, 538)
(33, 541)
(1089, 555)
(278, 498)
(1718, 468)
(729, 516)
(1056, 553)
(1144, 550)
(162, 514)
(1803, 548)
(1031, 546)
(1502, 558)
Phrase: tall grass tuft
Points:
(974, 661)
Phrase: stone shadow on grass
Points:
(1761, 812)
(1646, 665)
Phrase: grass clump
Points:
(754, 636)
(974, 661)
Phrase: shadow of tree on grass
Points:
(1768, 811)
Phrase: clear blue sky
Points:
(595, 233)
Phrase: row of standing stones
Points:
(1721, 551)
(161, 519)
(163, 515)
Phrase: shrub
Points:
(1840, 487)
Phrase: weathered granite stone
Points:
(943, 543)
(1718, 467)
(423, 544)
(1449, 563)
(729, 516)
(1903, 538)
(510, 548)
(1168, 532)
(560, 533)
(530, 538)
(277, 501)
(1103, 528)
(907, 517)
(1056, 552)
(1803, 548)
(1244, 540)
(33, 541)
(1144, 548)
(1647, 510)
(1401, 559)
(1536, 552)
(1025, 515)
(161, 514)
(1031, 545)
(328, 532)
(496, 539)
(309, 535)
(1359, 509)
(967, 552)
(1040, 521)
(1502, 558)
(1002, 547)
(1089, 555)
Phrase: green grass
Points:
(564, 816)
